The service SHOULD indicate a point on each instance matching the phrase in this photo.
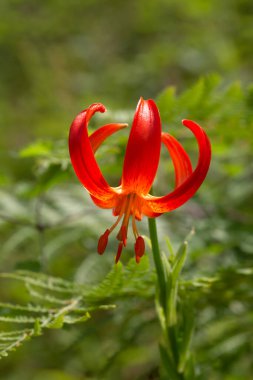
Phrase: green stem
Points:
(164, 298)
(161, 280)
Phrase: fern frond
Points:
(29, 307)
(56, 302)
(42, 281)
(45, 297)
(17, 319)
(52, 320)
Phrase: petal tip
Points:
(140, 103)
(100, 107)
(123, 125)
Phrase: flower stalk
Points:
(161, 279)
(176, 323)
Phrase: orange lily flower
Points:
(131, 198)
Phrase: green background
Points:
(195, 59)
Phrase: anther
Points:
(103, 241)
(120, 247)
(139, 248)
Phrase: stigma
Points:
(128, 207)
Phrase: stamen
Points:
(103, 241)
(120, 214)
(130, 198)
(139, 248)
(134, 227)
(127, 208)
(120, 247)
(122, 235)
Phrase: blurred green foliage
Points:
(57, 57)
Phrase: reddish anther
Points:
(139, 248)
(120, 247)
(103, 241)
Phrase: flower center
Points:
(128, 207)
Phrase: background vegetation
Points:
(57, 57)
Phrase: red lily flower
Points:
(132, 198)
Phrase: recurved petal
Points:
(148, 211)
(189, 187)
(143, 149)
(105, 203)
(98, 136)
(180, 158)
(96, 139)
(82, 156)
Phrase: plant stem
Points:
(169, 357)
(161, 280)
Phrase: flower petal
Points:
(96, 139)
(82, 156)
(189, 187)
(148, 211)
(105, 203)
(98, 136)
(180, 158)
(143, 149)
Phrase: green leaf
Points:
(173, 286)
(52, 176)
(179, 261)
(73, 320)
(170, 249)
(37, 149)
(187, 333)
(168, 364)
(56, 323)
(37, 328)
(166, 101)
(19, 319)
